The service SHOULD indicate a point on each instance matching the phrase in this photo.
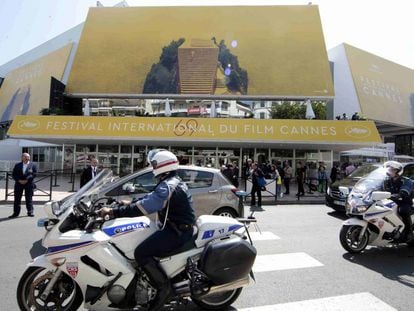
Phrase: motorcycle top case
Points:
(211, 227)
(227, 260)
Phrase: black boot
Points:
(408, 228)
(161, 282)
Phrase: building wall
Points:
(72, 35)
(346, 99)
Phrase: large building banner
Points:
(385, 89)
(194, 129)
(262, 51)
(26, 90)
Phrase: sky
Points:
(381, 27)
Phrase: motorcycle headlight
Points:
(359, 209)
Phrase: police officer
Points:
(401, 189)
(171, 200)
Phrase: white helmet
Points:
(394, 166)
(162, 161)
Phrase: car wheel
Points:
(226, 212)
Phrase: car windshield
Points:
(362, 171)
(371, 182)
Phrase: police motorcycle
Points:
(90, 260)
(374, 218)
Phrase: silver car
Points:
(212, 193)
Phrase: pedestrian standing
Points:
(256, 189)
(23, 174)
(288, 176)
(246, 171)
(235, 178)
(300, 178)
(90, 172)
(322, 178)
(277, 178)
(334, 173)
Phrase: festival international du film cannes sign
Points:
(194, 128)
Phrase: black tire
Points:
(28, 296)
(348, 237)
(226, 212)
(219, 301)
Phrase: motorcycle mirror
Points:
(380, 195)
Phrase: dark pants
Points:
(28, 194)
(301, 190)
(161, 243)
(286, 181)
(256, 189)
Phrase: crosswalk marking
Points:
(286, 261)
(263, 236)
(354, 302)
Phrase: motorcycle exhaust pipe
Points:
(226, 287)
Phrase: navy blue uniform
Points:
(171, 200)
(29, 174)
(404, 187)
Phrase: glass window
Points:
(326, 155)
(409, 171)
(262, 155)
(108, 148)
(282, 153)
(85, 148)
(196, 179)
(228, 156)
(144, 183)
(126, 149)
(183, 154)
(205, 157)
(139, 158)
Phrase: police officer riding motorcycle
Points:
(172, 202)
(401, 189)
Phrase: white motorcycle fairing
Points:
(91, 261)
(377, 223)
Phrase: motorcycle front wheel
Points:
(64, 296)
(349, 237)
(219, 301)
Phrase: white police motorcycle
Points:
(90, 261)
(374, 218)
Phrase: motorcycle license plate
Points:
(339, 203)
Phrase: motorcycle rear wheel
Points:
(219, 301)
(349, 239)
(65, 295)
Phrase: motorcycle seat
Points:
(186, 247)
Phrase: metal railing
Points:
(39, 191)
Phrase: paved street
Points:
(300, 264)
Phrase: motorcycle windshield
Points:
(87, 190)
(371, 182)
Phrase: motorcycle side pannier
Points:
(228, 260)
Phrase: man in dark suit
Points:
(23, 174)
(90, 172)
